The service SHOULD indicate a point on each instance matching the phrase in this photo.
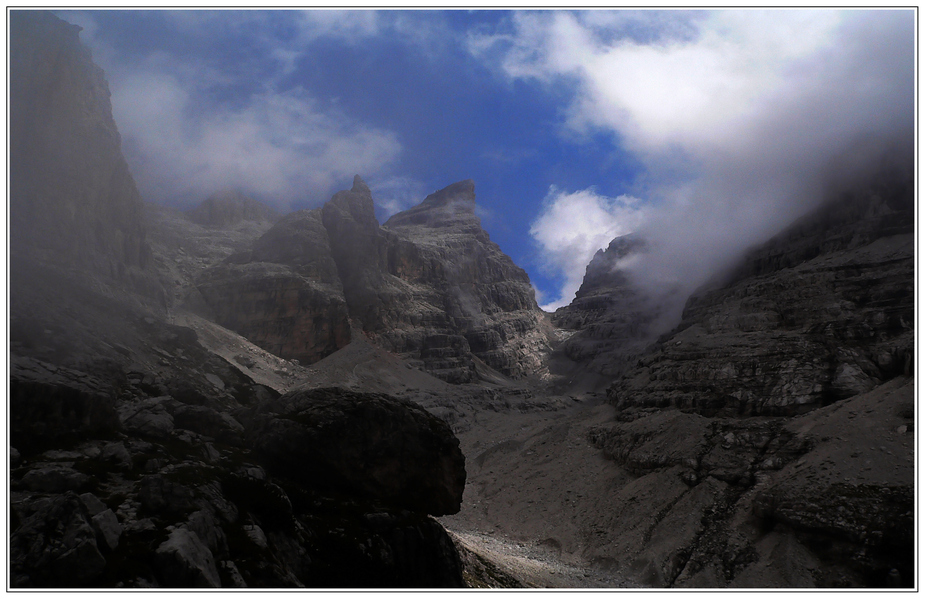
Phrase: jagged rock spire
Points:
(359, 185)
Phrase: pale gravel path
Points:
(535, 566)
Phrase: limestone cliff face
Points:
(468, 296)
(73, 201)
(284, 294)
(428, 285)
(356, 245)
(821, 312)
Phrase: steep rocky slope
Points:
(824, 499)
(611, 319)
(428, 285)
(183, 244)
(73, 202)
(284, 294)
(477, 300)
(822, 312)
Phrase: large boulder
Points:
(372, 444)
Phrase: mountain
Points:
(821, 312)
(231, 397)
(610, 319)
(428, 285)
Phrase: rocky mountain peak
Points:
(451, 206)
(459, 192)
(355, 205)
(359, 185)
(604, 271)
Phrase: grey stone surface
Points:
(184, 561)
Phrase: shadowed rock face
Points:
(284, 294)
(612, 319)
(73, 201)
(821, 312)
(428, 285)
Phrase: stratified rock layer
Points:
(822, 312)
(823, 499)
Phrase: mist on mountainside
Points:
(743, 122)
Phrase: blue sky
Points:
(705, 131)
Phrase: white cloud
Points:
(283, 147)
(573, 226)
(187, 129)
(396, 193)
(182, 142)
(743, 119)
(344, 25)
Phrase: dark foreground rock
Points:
(372, 444)
(331, 490)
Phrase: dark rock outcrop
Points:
(822, 312)
(50, 404)
(384, 448)
(55, 545)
